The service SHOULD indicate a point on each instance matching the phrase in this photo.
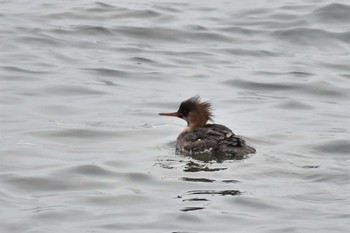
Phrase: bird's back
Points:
(213, 138)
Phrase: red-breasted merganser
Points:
(199, 137)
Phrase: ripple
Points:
(196, 199)
(333, 147)
(291, 73)
(325, 88)
(88, 30)
(310, 36)
(108, 72)
(105, 6)
(259, 86)
(310, 166)
(170, 34)
(242, 30)
(316, 88)
(332, 13)
(142, 60)
(114, 200)
(40, 40)
(62, 110)
(252, 53)
(72, 136)
(52, 183)
(195, 167)
(294, 104)
(71, 90)
(89, 170)
(205, 180)
(100, 10)
(142, 13)
(215, 192)
(23, 70)
(187, 209)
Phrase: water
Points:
(82, 146)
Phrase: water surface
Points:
(82, 146)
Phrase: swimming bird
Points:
(199, 137)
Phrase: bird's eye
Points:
(183, 113)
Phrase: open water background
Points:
(82, 148)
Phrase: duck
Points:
(200, 137)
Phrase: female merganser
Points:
(199, 137)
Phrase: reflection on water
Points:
(82, 148)
(212, 192)
(196, 199)
(200, 199)
(196, 167)
(191, 209)
(197, 179)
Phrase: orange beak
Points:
(173, 114)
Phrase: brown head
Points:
(193, 111)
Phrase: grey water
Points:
(82, 148)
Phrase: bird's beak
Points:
(173, 114)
